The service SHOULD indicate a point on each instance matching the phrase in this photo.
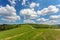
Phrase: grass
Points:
(30, 33)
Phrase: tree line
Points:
(7, 26)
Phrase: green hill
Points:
(27, 32)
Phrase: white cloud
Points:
(53, 9)
(28, 14)
(12, 2)
(55, 17)
(8, 13)
(33, 4)
(58, 5)
(43, 11)
(10, 18)
(42, 19)
(24, 2)
(8, 10)
(37, 4)
(29, 21)
(51, 22)
(50, 9)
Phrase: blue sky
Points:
(30, 11)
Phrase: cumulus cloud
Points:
(33, 4)
(55, 17)
(24, 2)
(58, 5)
(29, 21)
(50, 9)
(12, 2)
(52, 22)
(28, 14)
(11, 18)
(8, 10)
(42, 19)
(8, 13)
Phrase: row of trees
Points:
(7, 27)
(43, 26)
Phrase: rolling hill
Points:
(27, 32)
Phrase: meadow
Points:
(30, 32)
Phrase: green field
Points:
(27, 32)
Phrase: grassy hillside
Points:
(27, 32)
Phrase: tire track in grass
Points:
(57, 29)
(40, 33)
(32, 27)
(55, 35)
(8, 38)
(54, 29)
